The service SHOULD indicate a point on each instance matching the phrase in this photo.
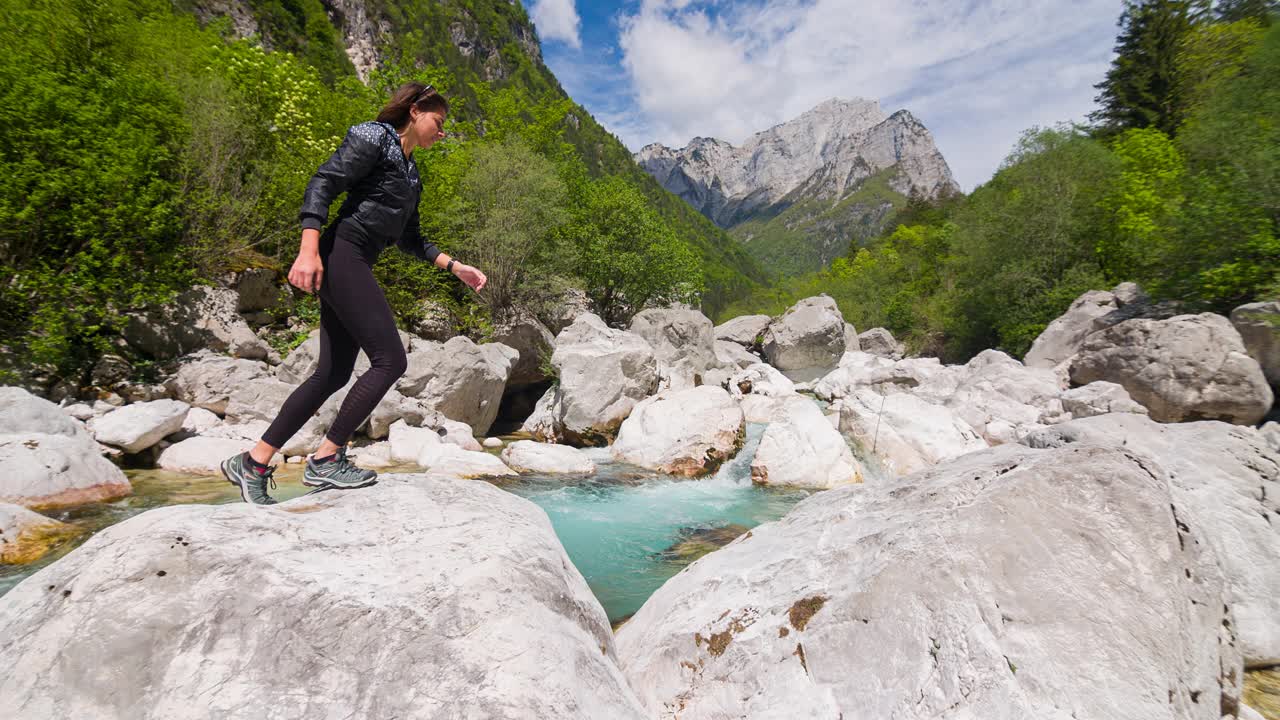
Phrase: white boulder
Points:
(603, 373)
(809, 335)
(420, 597)
(449, 460)
(26, 536)
(1259, 328)
(1189, 367)
(202, 455)
(1099, 398)
(206, 380)
(903, 432)
(683, 342)
(134, 428)
(682, 432)
(744, 330)
(1009, 583)
(538, 457)
(879, 341)
(800, 448)
(460, 379)
(1226, 487)
(43, 470)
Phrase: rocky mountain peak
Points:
(827, 152)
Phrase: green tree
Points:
(510, 208)
(1025, 242)
(1261, 11)
(1140, 88)
(1145, 200)
(627, 257)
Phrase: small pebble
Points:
(492, 442)
(295, 459)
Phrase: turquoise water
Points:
(615, 525)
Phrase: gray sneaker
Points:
(253, 485)
(339, 473)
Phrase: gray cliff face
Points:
(827, 153)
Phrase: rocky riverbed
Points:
(1090, 532)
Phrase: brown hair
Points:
(412, 94)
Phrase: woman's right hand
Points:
(307, 272)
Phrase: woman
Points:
(374, 166)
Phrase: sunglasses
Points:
(424, 93)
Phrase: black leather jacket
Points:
(382, 187)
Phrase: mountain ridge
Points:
(818, 159)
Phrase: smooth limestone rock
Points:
(206, 380)
(682, 432)
(1259, 328)
(603, 373)
(1226, 485)
(134, 428)
(1001, 398)
(852, 342)
(395, 407)
(202, 455)
(56, 470)
(461, 380)
(1009, 583)
(810, 334)
(491, 442)
(1099, 398)
(800, 448)
(1270, 433)
(761, 408)
(744, 330)
(538, 457)
(22, 412)
(376, 455)
(903, 432)
(202, 317)
(683, 342)
(449, 460)
(733, 356)
(407, 441)
(26, 536)
(1064, 336)
(199, 420)
(1189, 367)
(760, 379)
(879, 341)
(419, 597)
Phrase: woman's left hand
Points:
(471, 276)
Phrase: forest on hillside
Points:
(145, 147)
(1174, 184)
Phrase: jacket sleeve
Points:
(350, 163)
(412, 242)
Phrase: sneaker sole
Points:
(320, 483)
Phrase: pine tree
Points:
(1141, 89)
(1263, 11)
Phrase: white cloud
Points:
(976, 73)
(557, 20)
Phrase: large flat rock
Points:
(1010, 583)
(416, 598)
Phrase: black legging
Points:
(354, 315)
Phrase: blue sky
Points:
(976, 72)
